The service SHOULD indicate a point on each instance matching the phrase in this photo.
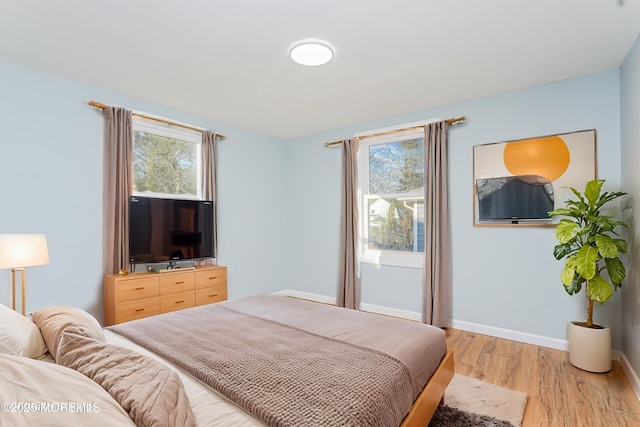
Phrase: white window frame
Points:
(179, 133)
(379, 256)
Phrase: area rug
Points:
(470, 402)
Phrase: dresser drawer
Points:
(133, 289)
(211, 295)
(172, 283)
(137, 309)
(177, 301)
(211, 277)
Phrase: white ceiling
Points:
(227, 60)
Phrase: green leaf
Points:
(599, 289)
(576, 208)
(566, 230)
(578, 195)
(592, 190)
(621, 245)
(568, 274)
(560, 211)
(607, 197)
(561, 251)
(575, 286)
(616, 270)
(606, 246)
(585, 260)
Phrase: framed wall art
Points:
(519, 182)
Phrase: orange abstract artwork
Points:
(519, 182)
(548, 157)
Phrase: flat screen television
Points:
(167, 230)
(514, 198)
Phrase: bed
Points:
(317, 364)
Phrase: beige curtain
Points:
(349, 284)
(209, 142)
(118, 183)
(437, 245)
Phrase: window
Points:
(392, 185)
(166, 161)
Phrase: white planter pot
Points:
(590, 349)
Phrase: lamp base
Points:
(13, 289)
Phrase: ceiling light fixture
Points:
(311, 52)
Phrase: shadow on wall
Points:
(631, 287)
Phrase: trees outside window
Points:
(166, 161)
(392, 186)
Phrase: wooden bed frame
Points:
(432, 395)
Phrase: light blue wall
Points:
(502, 277)
(279, 201)
(51, 175)
(630, 125)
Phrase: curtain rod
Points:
(169, 122)
(450, 122)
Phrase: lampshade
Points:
(23, 250)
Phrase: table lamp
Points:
(18, 251)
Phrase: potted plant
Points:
(589, 243)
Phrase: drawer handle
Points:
(213, 278)
(179, 283)
(139, 289)
(214, 295)
(180, 302)
(139, 309)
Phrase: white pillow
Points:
(26, 380)
(20, 336)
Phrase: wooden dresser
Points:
(137, 295)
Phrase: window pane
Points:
(396, 225)
(396, 167)
(395, 219)
(164, 165)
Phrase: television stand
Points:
(138, 295)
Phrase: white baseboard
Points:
(457, 324)
(493, 331)
(512, 335)
(371, 308)
(306, 295)
(631, 374)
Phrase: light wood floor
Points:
(559, 394)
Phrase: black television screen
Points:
(164, 230)
(524, 197)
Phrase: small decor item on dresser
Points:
(123, 272)
(588, 240)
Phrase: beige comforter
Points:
(421, 347)
(285, 375)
